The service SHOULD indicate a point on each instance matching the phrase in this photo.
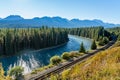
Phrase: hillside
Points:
(103, 66)
(18, 21)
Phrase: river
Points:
(31, 60)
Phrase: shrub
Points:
(66, 56)
(74, 54)
(104, 41)
(101, 43)
(55, 60)
(16, 72)
(34, 72)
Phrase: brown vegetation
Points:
(103, 66)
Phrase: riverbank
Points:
(32, 50)
(82, 37)
(60, 67)
(52, 47)
(32, 59)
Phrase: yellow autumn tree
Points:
(2, 76)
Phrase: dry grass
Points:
(103, 66)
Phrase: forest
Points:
(13, 40)
(115, 30)
(96, 33)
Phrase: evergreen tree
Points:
(13, 40)
(82, 48)
(93, 46)
(118, 38)
(90, 32)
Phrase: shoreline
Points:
(82, 37)
(52, 47)
(33, 50)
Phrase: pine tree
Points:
(118, 38)
(93, 46)
(82, 48)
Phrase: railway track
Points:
(60, 68)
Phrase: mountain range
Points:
(18, 21)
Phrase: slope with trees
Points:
(95, 33)
(103, 66)
(13, 40)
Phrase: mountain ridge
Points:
(53, 22)
(13, 17)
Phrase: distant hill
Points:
(14, 17)
(18, 21)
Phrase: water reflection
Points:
(32, 60)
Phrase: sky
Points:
(106, 10)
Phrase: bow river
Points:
(34, 59)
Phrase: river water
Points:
(31, 60)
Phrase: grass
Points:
(103, 66)
(41, 69)
(74, 53)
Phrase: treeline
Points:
(96, 33)
(13, 40)
(115, 31)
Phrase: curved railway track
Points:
(60, 68)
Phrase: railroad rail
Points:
(57, 69)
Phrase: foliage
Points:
(118, 39)
(70, 55)
(65, 75)
(2, 76)
(103, 66)
(74, 54)
(16, 72)
(13, 40)
(55, 60)
(104, 41)
(90, 32)
(115, 30)
(82, 48)
(66, 56)
(93, 46)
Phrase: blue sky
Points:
(106, 10)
